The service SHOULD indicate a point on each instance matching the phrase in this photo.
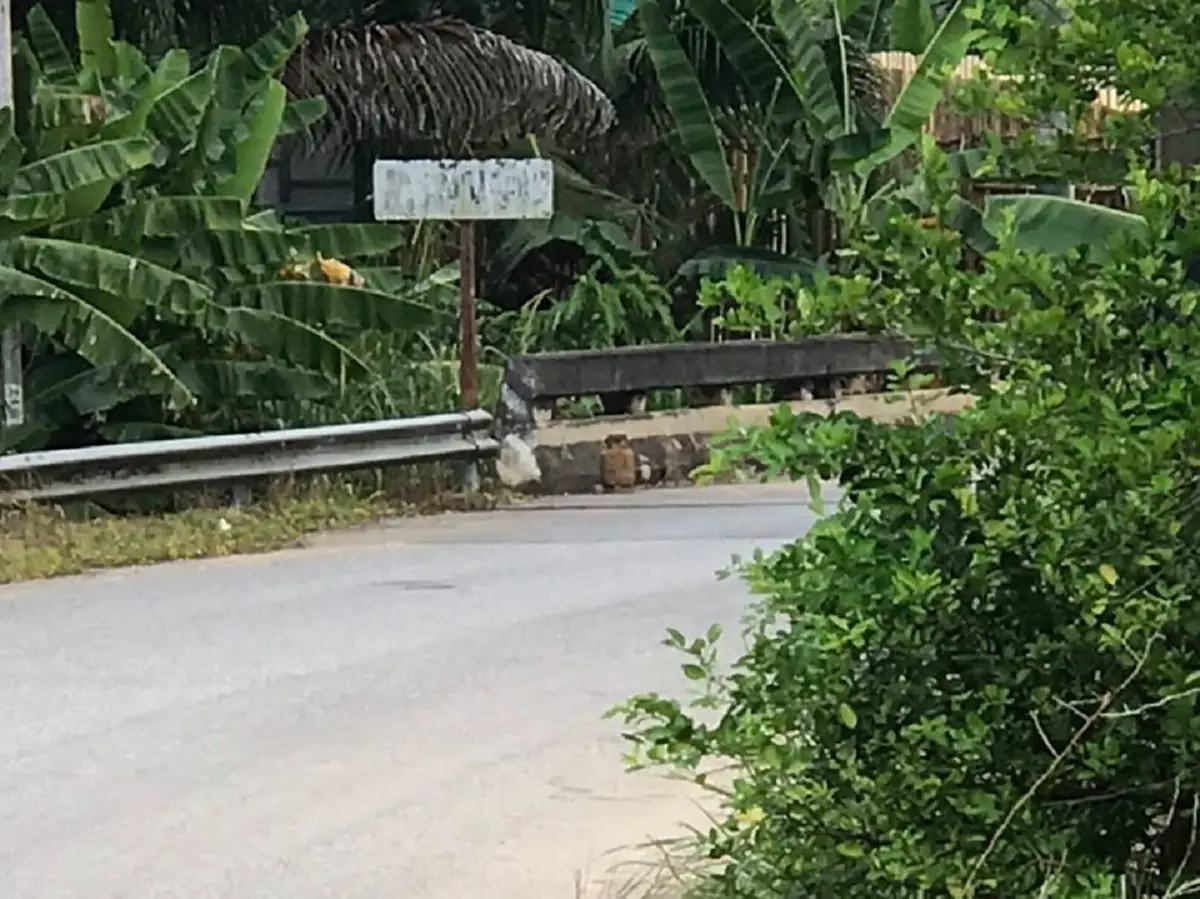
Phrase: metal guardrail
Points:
(233, 458)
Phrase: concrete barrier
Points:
(670, 444)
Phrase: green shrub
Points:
(978, 675)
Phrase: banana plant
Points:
(772, 181)
(77, 293)
(1039, 223)
(799, 66)
(128, 239)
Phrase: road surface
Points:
(412, 711)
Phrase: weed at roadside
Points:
(40, 542)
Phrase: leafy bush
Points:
(978, 675)
(615, 301)
(744, 303)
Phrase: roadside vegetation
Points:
(40, 541)
(977, 676)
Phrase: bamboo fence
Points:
(952, 127)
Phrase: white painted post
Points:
(11, 376)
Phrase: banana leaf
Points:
(913, 26)
(684, 97)
(337, 309)
(714, 262)
(1057, 225)
(919, 98)
(106, 271)
(105, 161)
(282, 337)
(830, 114)
(301, 115)
(96, 337)
(49, 49)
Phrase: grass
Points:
(670, 868)
(41, 541)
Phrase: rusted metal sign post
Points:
(464, 191)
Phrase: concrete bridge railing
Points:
(822, 375)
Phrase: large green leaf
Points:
(265, 220)
(945, 51)
(261, 250)
(261, 124)
(300, 115)
(398, 280)
(1057, 225)
(89, 390)
(283, 337)
(172, 70)
(869, 24)
(827, 113)
(714, 262)
(49, 48)
(95, 336)
(350, 240)
(684, 97)
(266, 57)
(920, 96)
(176, 113)
(71, 169)
(108, 272)
(150, 85)
(128, 224)
(11, 150)
(913, 27)
(77, 112)
(746, 46)
(30, 209)
(334, 308)
(221, 380)
(528, 236)
(252, 251)
(208, 163)
(130, 62)
(94, 27)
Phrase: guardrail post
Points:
(468, 477)
(468, 377)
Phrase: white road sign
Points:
(463, 189)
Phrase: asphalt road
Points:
(411, 712)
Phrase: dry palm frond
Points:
(445, 86)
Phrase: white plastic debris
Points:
(517, 465)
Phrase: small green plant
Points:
(747, 304)
(607, 307)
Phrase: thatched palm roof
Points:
(444, 85)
